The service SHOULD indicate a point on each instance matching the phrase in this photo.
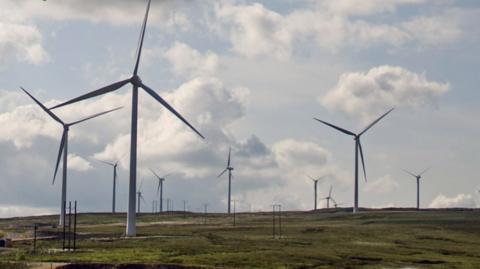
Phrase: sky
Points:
(249, 75)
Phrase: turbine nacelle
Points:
(136, 81)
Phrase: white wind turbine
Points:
(136, 83)
(358, 151)
(63, 149)
(160, 187)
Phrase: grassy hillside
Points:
(322, 239)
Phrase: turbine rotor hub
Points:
(136, 81)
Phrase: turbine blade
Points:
(223, 172)
(106, 162)
(43, 107)
(141, 197)
(424, 171)
(94, 116)
(104, 90)
(334, 202)
(167, 175)
(412, 174)
(229, 151)
(153, 172)
(377, 120)
(363, 161)
(330, 192)
(140, 40)
(311, 178)
(140, 187)
(335, 127)
(158, 188)
(60, 151)
(167, 105)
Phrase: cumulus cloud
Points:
(190, 63)
(384, 184)
(370, 93)
(435, 30)
(351, 7)
(255, 30)
(461, 200)
(165, 14)
(22, 42)
(78, 163)
(300, 157)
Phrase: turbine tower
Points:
(358, 148)
(230, 169)
(136, 84)
(140, 196)
(160, 187)
(114, 165)
(63, 148)
(315, 183)
(418, 177)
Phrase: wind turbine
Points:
(140, 196)
(418, 177)
(160, 187)
(329, 197)
(230, 169)
(315, 183)
(114, 165)
(63, 148)
(136, 84)
(358, 147)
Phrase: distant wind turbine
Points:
(140, 196)
(329, 197)
(136, 84)
(229, 168)
(418, 177)
(358, 147)
(64, 148)
(315, 183)
(160, 187)
(114, 165)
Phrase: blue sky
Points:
(251, 75)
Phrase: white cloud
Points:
(461, 200)
(166, 14)
(370, 93)
(383, 185)
(435, 30)
(254, 30)
(22, 42)
(351, 7)
(300, 157)
(78, 163)
(189, 62)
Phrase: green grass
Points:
(322, 239)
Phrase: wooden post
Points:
(75, 226)
(69, 224)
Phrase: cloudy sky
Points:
(250, 75)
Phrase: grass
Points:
(322, 239)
